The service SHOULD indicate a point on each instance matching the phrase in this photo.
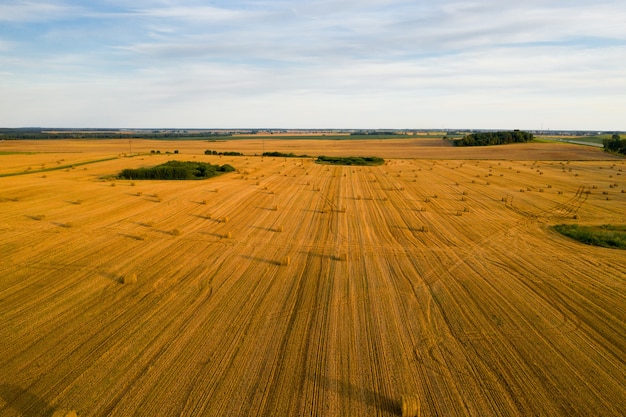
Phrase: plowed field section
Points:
(290, 288)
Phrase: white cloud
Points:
(35, 11)
(377, 61)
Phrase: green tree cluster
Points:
(615, 144)
(284, 155)
(350, 160)
(176, 170)
(495, 138)
(228, 153)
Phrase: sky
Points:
(345, 64)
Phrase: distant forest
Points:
(37, 133)
(494, 138)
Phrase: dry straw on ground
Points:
(409, 312)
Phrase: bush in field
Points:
(350, 160)
(176, 170)
(284, 155)
(228, 153)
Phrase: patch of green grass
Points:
(543, 140)
(608, 236)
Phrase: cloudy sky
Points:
(532, 64)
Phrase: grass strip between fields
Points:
(56, 168)
(608, 236)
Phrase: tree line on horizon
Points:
(494, 138)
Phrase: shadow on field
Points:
(363, 395)
(133, 237)
(266, 229)
(112, 277)
(204, 217)
(23, 402)
(262, 260)
(314, 254)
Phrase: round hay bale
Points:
(64, 413)
(129, 279)
(410, 406)
(279, 229)
(228, 235)
(287, 261)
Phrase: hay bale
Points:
(175, 232)
(129, 279)
(228, 235)
(279, 229)
(410, 406)
(343, 256)
(64, 413)
(286, 261)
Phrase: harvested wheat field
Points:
(431, 285)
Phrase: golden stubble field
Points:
(290, 288)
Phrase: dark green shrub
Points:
(350, 160)
(176, 170)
